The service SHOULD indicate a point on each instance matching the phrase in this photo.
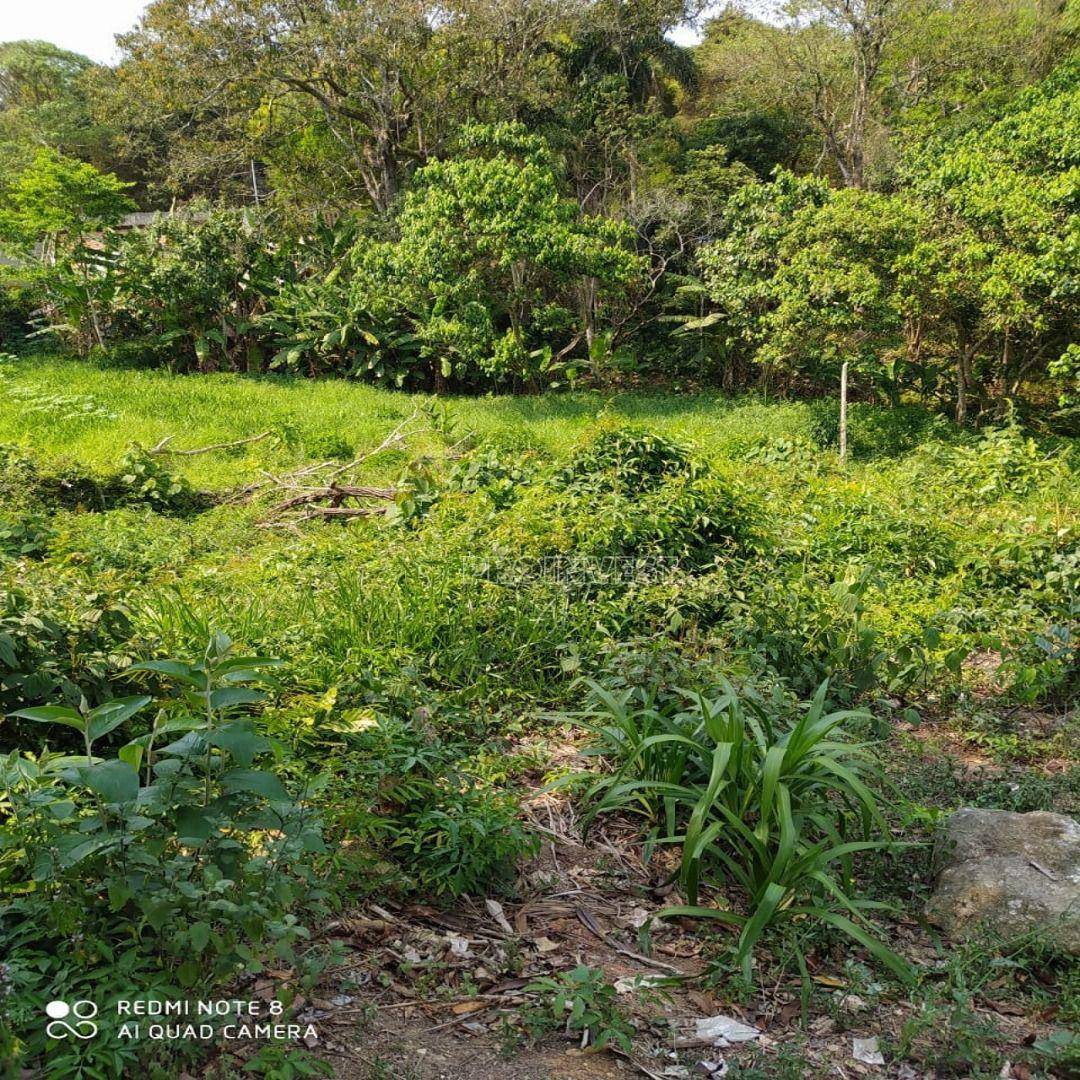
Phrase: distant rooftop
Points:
(143, 218)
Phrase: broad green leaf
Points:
(54, 714)
(193, 823)
(115, 781)
(240, 740)
(691, 911)
(199, 936)
(132, 753)
(256, 782)
(112, 714)
(228, 696)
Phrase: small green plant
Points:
(25, 535)
(775, 808)
(498, 474)
(578, 1001)
(286, 1063)
(143, 479)
(467, 840)
(951, 1026)
(428, 811)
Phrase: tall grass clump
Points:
(774, 807)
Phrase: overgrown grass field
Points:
(312, 419)
(551, 565)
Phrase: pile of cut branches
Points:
(326, 490)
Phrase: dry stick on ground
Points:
(164, 448)
(588, 920)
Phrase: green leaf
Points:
(691, 911)
(112, 714)
(761, 917)
(157, 911)
(896, 964)
(54, 714)
(73, 849)
(240, 740)
(199, 936)
(115, 781)
(132, 753)
(193, 824)
(227, 696)
(119, 895)
(256, 782)
(181, 672)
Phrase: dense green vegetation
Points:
(525, 195)
(420, 657)
(461, 431)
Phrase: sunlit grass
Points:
(310, 419)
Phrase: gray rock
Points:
(1008, 873)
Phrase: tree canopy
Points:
(520, 192)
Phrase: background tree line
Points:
(525, 193)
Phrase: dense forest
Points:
(533, 551)
(519, 195)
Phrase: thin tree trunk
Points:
(961, 390)
(843, 412)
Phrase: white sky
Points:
(83, 26)
(88, 26)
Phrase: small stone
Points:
(637, 918)
(852, 1003)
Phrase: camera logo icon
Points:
(81, 1027)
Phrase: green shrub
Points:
(875, 431)
(16, 314)
(846, 527)
(463, 839)
(498, 473)
(188, 287)
(178, 861)
(25, 534)
(628, 461)
(416, 801)
(1004, 463)
(139, 478)
(631, 493)
(809, 627)
(17, 474)
(143, 479)
(58, 638)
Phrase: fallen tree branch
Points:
(164, 448)
(325, 490)
(317, 512)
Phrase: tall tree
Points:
(868, 77)
(358, 92)
(44, 102)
